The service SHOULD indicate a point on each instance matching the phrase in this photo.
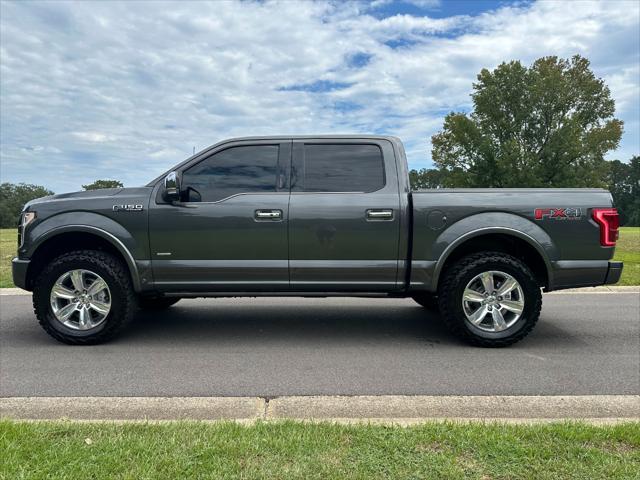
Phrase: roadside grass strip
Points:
(628, 251)
(8, 250)
(295, 450)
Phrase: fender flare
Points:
(504, 230)
(109, 237)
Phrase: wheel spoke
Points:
(85, 319)
(498, 320)
(100, 307)
(97, 286)
(477, 316)
(487, 282)
(77, 280)
(65, 312)
(472, 296)
(60, 291)
(508, 285)
(515, 306)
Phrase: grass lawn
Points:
(68, 450)
(628, 251)
(8, 247)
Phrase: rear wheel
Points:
(156, 303)
(83, 297)
(490, 299)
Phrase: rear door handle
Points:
(380, 214)
(268, 214)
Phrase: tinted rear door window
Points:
(242, 169)
(340, 168)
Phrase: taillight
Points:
(609, 221)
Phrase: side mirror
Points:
(172, 187)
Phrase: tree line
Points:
(14, 196)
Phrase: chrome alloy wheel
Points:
(493, 301)
(80, 299)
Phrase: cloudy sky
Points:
(126, 90)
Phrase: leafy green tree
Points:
(12, 199)
(426, 178)
(549, 125)
(103, 184)
(624, 184)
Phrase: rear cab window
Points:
(339, 167)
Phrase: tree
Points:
(549, 125)
(12, 200)
(425, 178)
(103, 184)
(623, 182)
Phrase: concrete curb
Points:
(13, 291)
(132, 408)
(473, 407)
(374, 409)
(602, 289)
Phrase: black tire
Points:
(114, 273)
(454, 282)
(427, 300)
(156, 303)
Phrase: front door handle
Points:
(268, 214)
(380, 214)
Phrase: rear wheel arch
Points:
(498, 239)
(66, 239)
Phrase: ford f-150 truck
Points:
(310, 216)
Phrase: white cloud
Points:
(96, 137)
(131, 88)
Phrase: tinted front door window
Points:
(243, 169)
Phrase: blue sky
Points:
(126, 90)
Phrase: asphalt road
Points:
(584, 344)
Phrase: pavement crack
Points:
(266, 399)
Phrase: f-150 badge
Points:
(567, 213)
(127, 208)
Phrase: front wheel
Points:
(490, 299)
(83, 297)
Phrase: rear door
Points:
(344, 216)
(229, 232)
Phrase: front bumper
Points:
(613, 273)
(19, 272)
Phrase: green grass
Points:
(69, 450)
(628, 251)
(8, 247)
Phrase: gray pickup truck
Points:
(310, 216)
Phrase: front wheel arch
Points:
(66, 239)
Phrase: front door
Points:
(344, 216)
(229, 231)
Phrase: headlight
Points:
(27, 218)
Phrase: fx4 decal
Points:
(566, 213)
